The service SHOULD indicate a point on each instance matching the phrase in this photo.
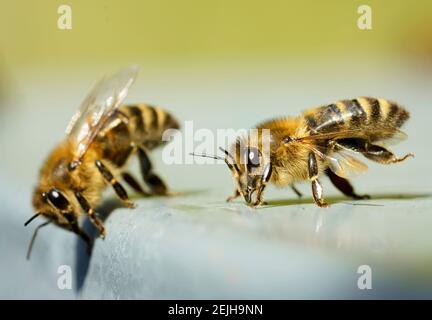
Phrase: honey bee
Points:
(100, 139)
(323, 140)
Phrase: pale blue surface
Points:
(196, 245)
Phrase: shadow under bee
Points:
(82, 257)
(345, 200)
(104, 211)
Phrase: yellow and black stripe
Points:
(360, 113)
(147, 123)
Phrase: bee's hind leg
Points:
(317, 190)
(133, 183)
(382, 155)
(344, 186)
(118, 188)
(154, 182)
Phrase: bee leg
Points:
(296, 191)
(259, 200)
(382, 155)
(317, 191)
(118, 188)
(131, 181)
(91, 213)
(264, 180)
(234, 196)
(154, 182)
(344, 186)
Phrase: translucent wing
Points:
(327, 118)
(342, 161)
(358, 133)
(345, 165)
(397, 137)
(98, 109)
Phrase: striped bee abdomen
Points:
(360, 113)
(147, 123)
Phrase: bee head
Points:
(52, 198)
(250, 163)
(251, 169)
(54, 205)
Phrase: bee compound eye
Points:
(253, 157)
(57, 199)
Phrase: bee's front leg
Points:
(91, 213)
(265, 178)
(259, 198)
(317, 190)
(259, 201)
(234, 196)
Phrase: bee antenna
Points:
(227, 153)
(207, 156)
(232, 166)
(34, 238)
(31, 219)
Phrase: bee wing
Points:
(345, 165)
(98, 108)
(342, 162)
(397, 137)
(380, 136)
(354, 133)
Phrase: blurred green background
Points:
(157, 32)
